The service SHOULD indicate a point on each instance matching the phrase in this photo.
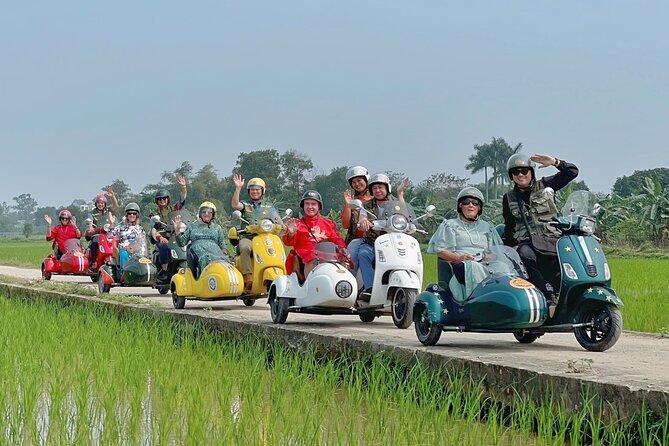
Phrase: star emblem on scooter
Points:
(600, 292)
(609, 299)
(589, 290)
(440, 301)
(567, 248)
(445, 311)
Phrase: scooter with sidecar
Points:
(269, 255)
(72, 262)
(177, 253)
(135, 268)
(398, 270)
(330, 288)
(506, 303)
(105, 248)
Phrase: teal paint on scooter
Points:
(587, 305)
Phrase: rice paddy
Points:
(86, 375)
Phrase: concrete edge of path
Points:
(502, 381)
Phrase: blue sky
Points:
(92, 92)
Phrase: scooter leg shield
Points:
(404, 279)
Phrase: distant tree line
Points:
(636, 211)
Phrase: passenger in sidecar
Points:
(462, 244)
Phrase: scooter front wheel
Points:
(102, 286)
(427, 332)
(45, 276)
(402, 307)
(605, 324)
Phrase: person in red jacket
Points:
(66, 230)
(305, 233)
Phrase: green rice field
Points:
(639, 282)
(86, 375)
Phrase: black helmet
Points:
(519, 160)
(471, 192)
(312, 195)
(162, 193)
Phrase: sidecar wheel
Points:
(367, 317)
(427, 332)
(606, 326)
(248, 301)
(525, 337)
(402, 307)
(45, 276)
(179, 302)
(279, 308)
(94, 278)
(102, 287)
(163, 290)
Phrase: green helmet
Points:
(312, 195)
(132, 206)
(470, 192)
(519, 160)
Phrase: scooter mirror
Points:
(596, 209)
(155, 218)
(88, 221)
(237, 215)
(431, 210)
(356, 204)
(289, 212)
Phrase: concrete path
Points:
(636, 368)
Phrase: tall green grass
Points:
(643, 286)
(84, 375)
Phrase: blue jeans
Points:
(366, 265)
(164, 253)
(353, 251)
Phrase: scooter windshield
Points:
(137, 246)
(580, 202)
(265, 212)
(504, 260)
(326, 252)
(186, 219)
(72, 245)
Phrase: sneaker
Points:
(365, 295)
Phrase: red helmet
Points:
(65, 214)
(100, 198)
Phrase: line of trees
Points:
(636, 212)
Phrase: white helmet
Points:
(380, 178)
(357, 171)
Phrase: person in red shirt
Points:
(66, 230)
(305, 233)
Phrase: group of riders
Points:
(461, 241)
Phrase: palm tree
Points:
(492, 155)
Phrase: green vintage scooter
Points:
(506, 302)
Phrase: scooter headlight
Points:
(343, 288)
(399, 222)
(607, 271)
(569, 271)
(588, 226)
(266, 225)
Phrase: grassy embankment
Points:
(91, 376)
(639, 281)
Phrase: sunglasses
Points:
(131, 213)
(64, 218)
(468, 201)
(161, 198)
(521, 171)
